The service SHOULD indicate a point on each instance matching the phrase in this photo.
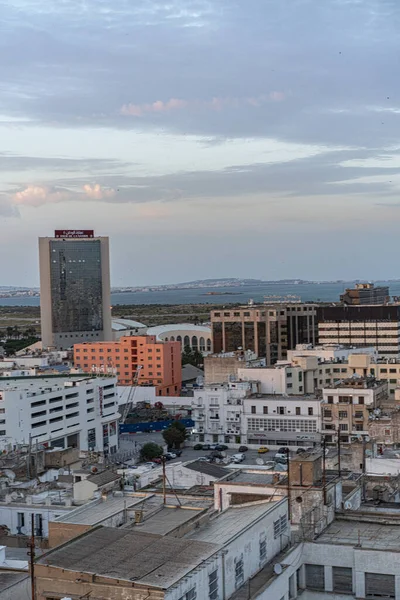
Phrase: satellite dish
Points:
(278, 569)
(14, 495)
(367, 438)
(348, 505)
(259, 461)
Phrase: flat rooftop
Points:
(367, 535)
(131, 555)
(167, 519)
(230, 522)
(95, 512)
(280, 398)
(250, 477)
(52, 382)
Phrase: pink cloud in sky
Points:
(96, 192)
(37, 195)
(216, 103)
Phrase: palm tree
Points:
(16, 332)
(9, 331)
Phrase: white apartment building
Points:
(60, 411)
(329, 352)
(281, 421)
(217, 411)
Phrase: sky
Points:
(223, 138)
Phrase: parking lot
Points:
(129, 442)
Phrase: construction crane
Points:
(131, 396)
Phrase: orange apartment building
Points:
(160, 361)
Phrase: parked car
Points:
(283, 450)
(216, 454)
(263, 450)
(300, 451)
(279, 456)
(157, 461)
(177, 452)
(206, 447)
(238, 457)
(198, 447)
(243, 448)
(204, 459)
(170, 455)
(152, 465)
(222, 447)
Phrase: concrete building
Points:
(160, 362)
(222, 367)
(60, 411)
(217, 411)
(366, 293)
(330, 352)
(347, 406)
(177, 553)
(123, 327)
(75, 302)
(281, 421)
(363, 326)
(196, 337)
(269, 330)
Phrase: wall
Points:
(9, 516)
(181, 477)
(224, 489)
(61, 532)
(84, 490)
(51, 581)
(220, 369)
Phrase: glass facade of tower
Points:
(76, 285)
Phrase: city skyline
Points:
(205, 139)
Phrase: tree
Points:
(173, 437)
(151, 450)
(180, 427)
(10, 332)
(192, 357)
(16, 332)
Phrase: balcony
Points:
(214, 417)
(199, 417)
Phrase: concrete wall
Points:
(9, 516)
(84, 490)
(220, 369)
(60, 532)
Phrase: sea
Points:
(306, 292)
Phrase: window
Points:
(280, 410)
(56, 419)
(290, 385)
(280, 526)
(342, 414)
(39, 403)
(213, 585)
(190, 595)
(55, 399)
(72, 405)
(265, 410)
(315, 577)
(393, 381)
(253, 410)
(361, 400)
(327, 414)
(300, 376)
(310, 411)
(383, 370)
(379, 585)
(239, 571)
(263, 549)
(392, 370)
(39, 424)
(74, 395)
(40, 413)
(75, 414)
(343, 427)
(289, 374)
(330, 399)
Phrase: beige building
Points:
(269, 330)
(75, 303)
(347, 405)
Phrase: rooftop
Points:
(123, 324)
(191, 372)
(103, 478)
(47, 382)
(97, 511)
(282, 398)
(356, 382)
(366, 535)
(161, 329)
(230, 522)
(206, 468)
(167, 519)
(251, 477)
(131, 555)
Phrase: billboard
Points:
(74, 233)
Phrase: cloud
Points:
(37, 195)
(97, 192)
(216, 103)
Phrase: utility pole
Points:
(29, 456)
(31, 554)
(163, 480)
(338, 450)
(288, 486)
(323, 468)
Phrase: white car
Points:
(237, 458)
(280, 456)
(150, 464)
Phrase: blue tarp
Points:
(152, 426)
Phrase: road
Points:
(127, 443)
